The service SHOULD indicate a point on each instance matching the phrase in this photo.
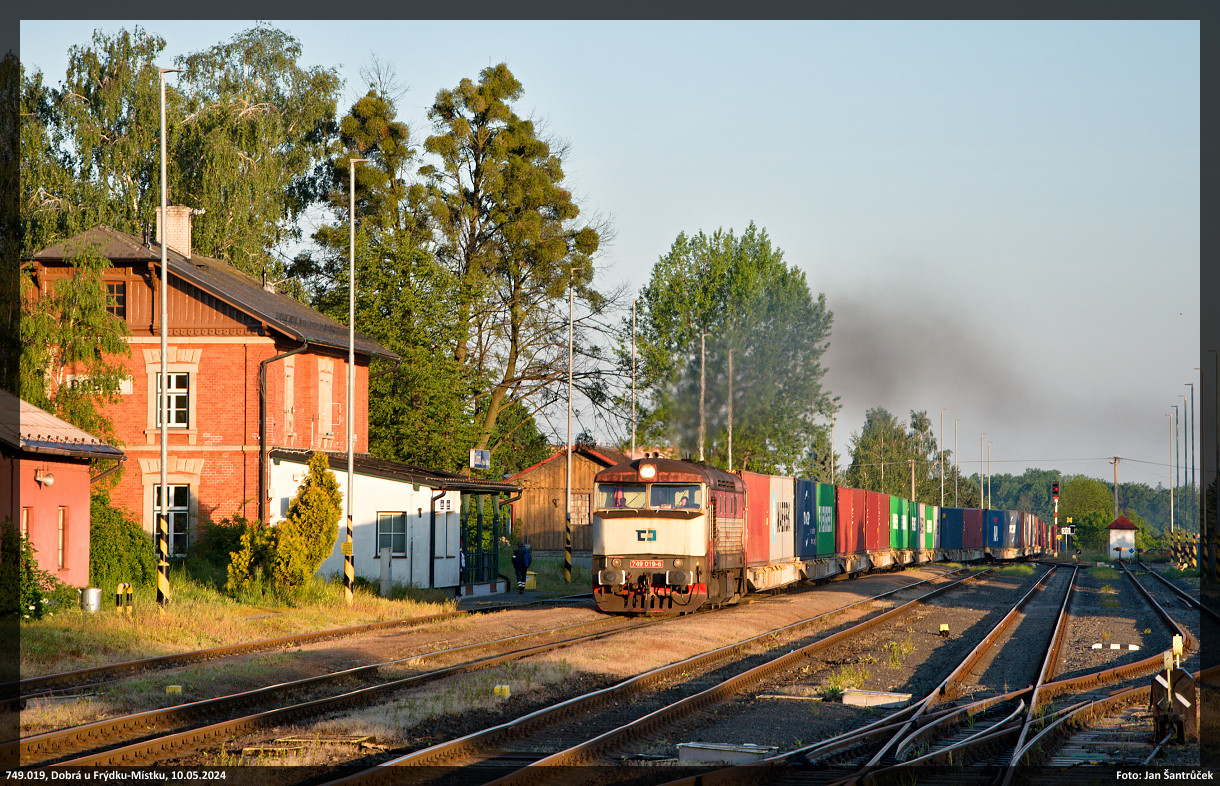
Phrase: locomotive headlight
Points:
(677, 563)
(648, 471)
(616, 562)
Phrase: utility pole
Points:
(1115, 463)
(1172, 451)
(349, 553)
(730, 409)
(981, 498)
(702, 385)
(912, 463)
(940, 448)
(163, 405)
(637, 300)
(956, 469)
(567, 519)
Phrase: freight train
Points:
(671, 536)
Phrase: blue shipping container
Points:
(996, 524)
(1015, 537)
(806, 518)
(952, 525)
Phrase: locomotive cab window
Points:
(675, 496)
(611, 495)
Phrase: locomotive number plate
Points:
(646, 563)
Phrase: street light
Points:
(349, 558)
(956, 469)
(637, 300)
(989, 474)
(702, 385)
(1172, 455)
(940, 448)
(162, 520)
(981, 505)
(567, 518)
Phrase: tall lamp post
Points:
(940, 448)
(1193, 424)
(163, 406)
(1172, 455)
(637, 300)
(730, 467)
(981, 505)
(349, 559)
(1177, 462)
(702, 385)
(989, 474)
(567, 519)
(956, 469)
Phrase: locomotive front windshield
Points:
(674, 497)
(621, 496)
(638, 496)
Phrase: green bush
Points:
(119, 549)
(249, 566)
(209, 556)
(27, 590)
(307, 535)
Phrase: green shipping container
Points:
(899, 529)
(826, 519)
(929, 534)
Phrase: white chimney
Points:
(179, 224)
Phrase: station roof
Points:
(223, 281)
(29, 429)
(366, 464)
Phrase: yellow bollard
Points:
(119, 606)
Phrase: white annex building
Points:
(426, 519)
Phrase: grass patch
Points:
(843, 678)
(1175, 573)
(1102, 574)
(1111, 603)
(1023, 571)
(898, 651)
(198, 617)
(390, 722)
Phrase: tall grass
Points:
(198, 616)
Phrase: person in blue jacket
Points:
(522, 557)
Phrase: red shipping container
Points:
(849, 520)
(876, 521)
(758, 518)
(972, 536)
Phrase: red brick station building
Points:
(248, 370)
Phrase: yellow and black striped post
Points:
(567, 549)
(1192, 552)
(162, 561)
(349, 564)
(118, 598)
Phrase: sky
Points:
(1003, 216)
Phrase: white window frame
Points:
(387, 528)
(179, 400)
(178, 515)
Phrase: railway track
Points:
(24, 690)
(134, 738)
(152, 736)
(1104, 723)
(622, 713)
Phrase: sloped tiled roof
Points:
(604, 455)
(1122, 522)
(366, 464)
(27, 428)
(244, 292)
